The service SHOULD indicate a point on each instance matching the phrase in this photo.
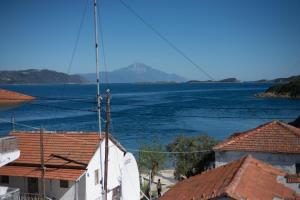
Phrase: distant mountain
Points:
(227, 80)
(136, 73)
(279, 80)
(286, 90)
(34, 76)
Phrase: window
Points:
(4, 179)
(64, 183)
(297, 168)
(96, 176)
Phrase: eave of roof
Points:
(237, 141)
(35, 172)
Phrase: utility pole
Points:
(42, 163)
(106, 141)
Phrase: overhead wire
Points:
(77, 36)
(165, 39)
(80, 140)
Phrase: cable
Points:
(19, 124)
(81, 100)
(63, 108)
(102, 47)
(133, 150)
(199, 116)
(169, 152)
(77, 37)
(161, 36)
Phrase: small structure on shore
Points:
(10, 99)
(276, 143)
(246, 178)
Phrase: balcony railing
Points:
(29, 196)
(7, 193)
(8, 144)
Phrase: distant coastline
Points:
(289, 89)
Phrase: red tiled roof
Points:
(246, 178)
(7, 97)
(73, 146)
(64, 152)
(273, 137)
(293, 178)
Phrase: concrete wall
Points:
(285, 162)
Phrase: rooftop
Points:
(246, 178)
(273, 137)
(66, 154)
(7, 96)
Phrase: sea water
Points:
(142, 113)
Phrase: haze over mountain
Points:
(134, 73)
(35, 76)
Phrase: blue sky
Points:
(247, 39)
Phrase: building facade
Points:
(276, 143)
(74, 164)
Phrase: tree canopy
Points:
(150, 158)
(189, 164)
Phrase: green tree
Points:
(189, 164)
(150, 159)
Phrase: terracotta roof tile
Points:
(245, 178)
(8, 97)
(66, 154)
(273, 137)
(67, 149)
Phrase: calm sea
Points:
(142, 113)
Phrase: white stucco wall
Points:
(285, 162)
(8, 157)
(115, 158)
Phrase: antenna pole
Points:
(106, 141)
(97, 65)
(42, 163)
(98, 84)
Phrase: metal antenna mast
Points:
(97, 65)
(98, 85)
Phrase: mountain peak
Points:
(139, 67)
(137, 72)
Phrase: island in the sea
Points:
(227, 80)
(290, 88)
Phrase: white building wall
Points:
(93, 191)
(115, 159)
(285, 162)
(8, 157)
(53, 189)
